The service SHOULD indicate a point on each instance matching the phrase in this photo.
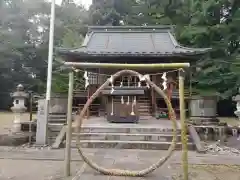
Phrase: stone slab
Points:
(147, 145)
(196, 139)
(41, 134)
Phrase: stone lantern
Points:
(237, 99)
(237, 112)
(18, 108)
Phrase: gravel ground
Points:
(33, 169)
(46, 164)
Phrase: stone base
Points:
(118, 119)
(204, 120)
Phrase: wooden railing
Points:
(175, 94)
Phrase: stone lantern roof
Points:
(236, 98)
(20, 93)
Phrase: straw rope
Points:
(120, 172)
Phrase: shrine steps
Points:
(129, 129)
(148, 138)
(98, 133)
(127, 137)
(144, 106)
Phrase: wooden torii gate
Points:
(78, 65)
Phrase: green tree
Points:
(215, 24)
(24, 31)
(212, 23)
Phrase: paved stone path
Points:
(29, 164)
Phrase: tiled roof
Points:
(131, 41)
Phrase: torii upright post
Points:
(69, 125)
(183, 125)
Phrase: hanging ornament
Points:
(76, 70)
(147, 85)
(86, 79)
(141, 78)
(148, 78)
(164, 84)
(128, 101)
(111, 79)
(112, 90)
(135, 100)
(122, 99)
(144, 78)
(132, 113)
(164, 76)
(112, 107)
(135, 83)
(111, 82)
(139, 84)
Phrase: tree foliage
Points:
(24, 35)
(212, 23)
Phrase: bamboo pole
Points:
(183, 125)
(124, 66)
(69, 126)
(153, 94)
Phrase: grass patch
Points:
(7, 118)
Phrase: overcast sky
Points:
(86, 3)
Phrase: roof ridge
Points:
(128, 28)
(161, 42)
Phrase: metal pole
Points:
(30, 118)
(50, 62)
(69, 126)
(183, 125)
(30, 106)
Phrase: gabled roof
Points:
(131, 41)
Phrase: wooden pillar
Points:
(153, 95)
(69, 126)
(183, 125)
